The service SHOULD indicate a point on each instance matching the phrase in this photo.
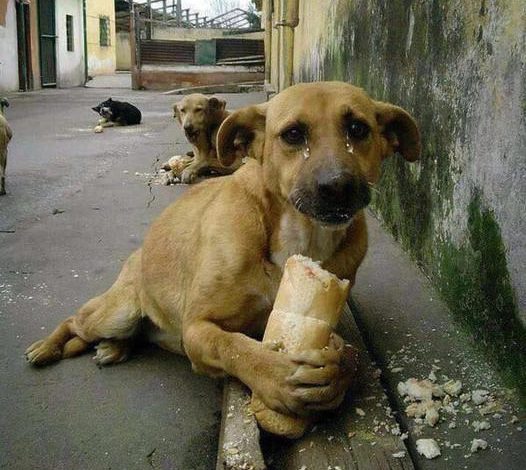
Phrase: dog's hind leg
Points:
(113, 316)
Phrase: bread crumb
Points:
(477, 444)
(452, 387)
(428, 448)
(479, 396)
(399, 455)
(359, 412)
(481, 425)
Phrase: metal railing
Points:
(171, 13)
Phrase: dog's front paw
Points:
(42, 353)
(188, 176)
(111, 352)
(324, 375)
(310, 380)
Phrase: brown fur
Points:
(200, 118)
(5, 136)
(208, 271)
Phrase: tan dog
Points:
(200, 118)
(209, 288)
(5, 136)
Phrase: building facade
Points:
(101, 37)
(42, 44)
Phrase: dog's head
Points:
(104, 108)
(3, 104)
(197, 113)
(320, 145)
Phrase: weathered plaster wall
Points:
(102, 60)
(123, 51)
(459, 67)
(70, 64)
(9, 50)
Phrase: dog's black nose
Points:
(189, 128)
(336, 187)
(342, 189)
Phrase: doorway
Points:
(48, 61)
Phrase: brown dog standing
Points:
(209, 288)
(200, 118)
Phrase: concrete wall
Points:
(70, 64)
(102, 60)
(460, 68)
(9, 50)
(122, 49)
(193, 34)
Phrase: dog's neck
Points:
(297, 234)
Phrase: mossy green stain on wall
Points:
(474, 280)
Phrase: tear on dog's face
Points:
(196, 112)
(321, 146)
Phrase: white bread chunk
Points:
(308, 305)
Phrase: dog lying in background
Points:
(5, 136)
(206, 277)
(200, 118)
(118, 113)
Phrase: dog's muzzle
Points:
(105, 112)
(191, 133)
(332, 198)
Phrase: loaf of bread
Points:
(308, 306)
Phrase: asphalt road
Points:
(78, 203)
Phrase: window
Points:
(69, 32)
(104, 30)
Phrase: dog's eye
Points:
(357, 129)
(182, 110)
(293, 136)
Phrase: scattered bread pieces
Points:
(98, 129)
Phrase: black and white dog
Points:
(118, 113)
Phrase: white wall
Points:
(9, 51)
(70, 65)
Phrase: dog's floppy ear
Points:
(216, 103)
(177, 113)
(242, 134)
(399, 131)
